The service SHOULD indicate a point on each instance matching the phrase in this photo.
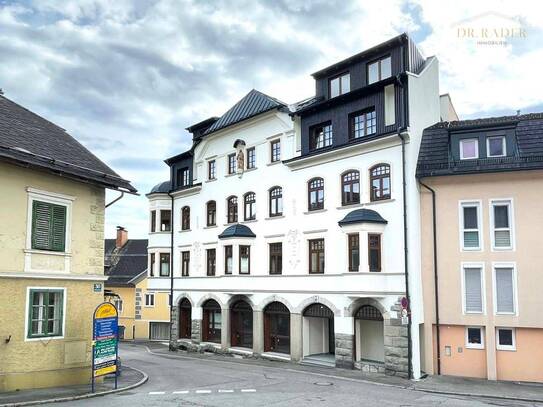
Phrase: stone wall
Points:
(396, 344)
(344, 351)
(196, 332)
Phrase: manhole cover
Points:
(323, 384)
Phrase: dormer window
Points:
(469, 149)
(379, 70)
(321, 136)
(183, 177)
(340, 84)
(495, 146)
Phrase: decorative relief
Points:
(293, 242)
(197, 250)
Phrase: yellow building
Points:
(52, 193)
(143, 314)
(481, 183)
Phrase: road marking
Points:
(203, 391)
(181, 392)
(226, 391)
(248, 390)
(154, 393)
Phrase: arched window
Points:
(315, 194)
(211, 321)
(185, 218)
(380, 182)
(249, 203)
(232, 209)
(211, 208)
(350, 184)
(276, 201)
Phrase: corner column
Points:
(225, 328)
(174, 326)
(258, 332)
(296, 342)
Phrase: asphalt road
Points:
(175, 381)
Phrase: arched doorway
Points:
(369, 335)
(241, 315)
(276, 328)
(211, 321)
(318, 334)
(185, 319)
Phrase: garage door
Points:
(159, 330)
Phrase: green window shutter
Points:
(58, 228)
(41, 216)
(48, 226)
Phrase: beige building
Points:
(52, 193)
(143, 314)
(482, 297)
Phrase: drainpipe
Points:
(406, 264)
(172, 227)
(115, 200)
(436, 286)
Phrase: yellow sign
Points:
(105, 310)
(105, 370)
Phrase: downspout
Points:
(436, 285)
(406, 264)
(115, 200)
(172, 227)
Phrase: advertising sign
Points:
(105, 341)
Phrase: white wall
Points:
(315, 336)
(370, 337)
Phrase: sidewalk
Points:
(531, 392)
(129, 379)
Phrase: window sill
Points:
(210, 227)
(231, 175)
(506, 348)
(160, 233)
(211, 180)
(274, 162)
(43, 338)
(47, 252)
(274, 217)
(249, 221)
(251, 169)
(358, 205)
(476, 347)
(315, 211)
(184, 230)
(380, 201)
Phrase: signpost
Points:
(105, 341)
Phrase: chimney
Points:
(122, 237)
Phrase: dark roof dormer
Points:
(236, 230)
(362, 216)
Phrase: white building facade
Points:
(291, 223)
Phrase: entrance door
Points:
(241, 316)
(277, 328)
(211, 322)
(185, 319)
(318, 330)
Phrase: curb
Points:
(82, 396)
(410, 386)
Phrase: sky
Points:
(126, 78)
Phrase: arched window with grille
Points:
(350, 186)
(249, 206)
(211, 218)
(185, 218)
(232, 209)
(380, 182)
(276, 201)
(315, 194)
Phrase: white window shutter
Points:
(473, 290)
(505, 298)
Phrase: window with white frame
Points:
(500, 225)
(505, 339)
(475, 337)
(149, 299)
(495, 146)
(469, 149)
(470, 223)
(473, 289)
(45, 313)
(118, 304)
(504, 290)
